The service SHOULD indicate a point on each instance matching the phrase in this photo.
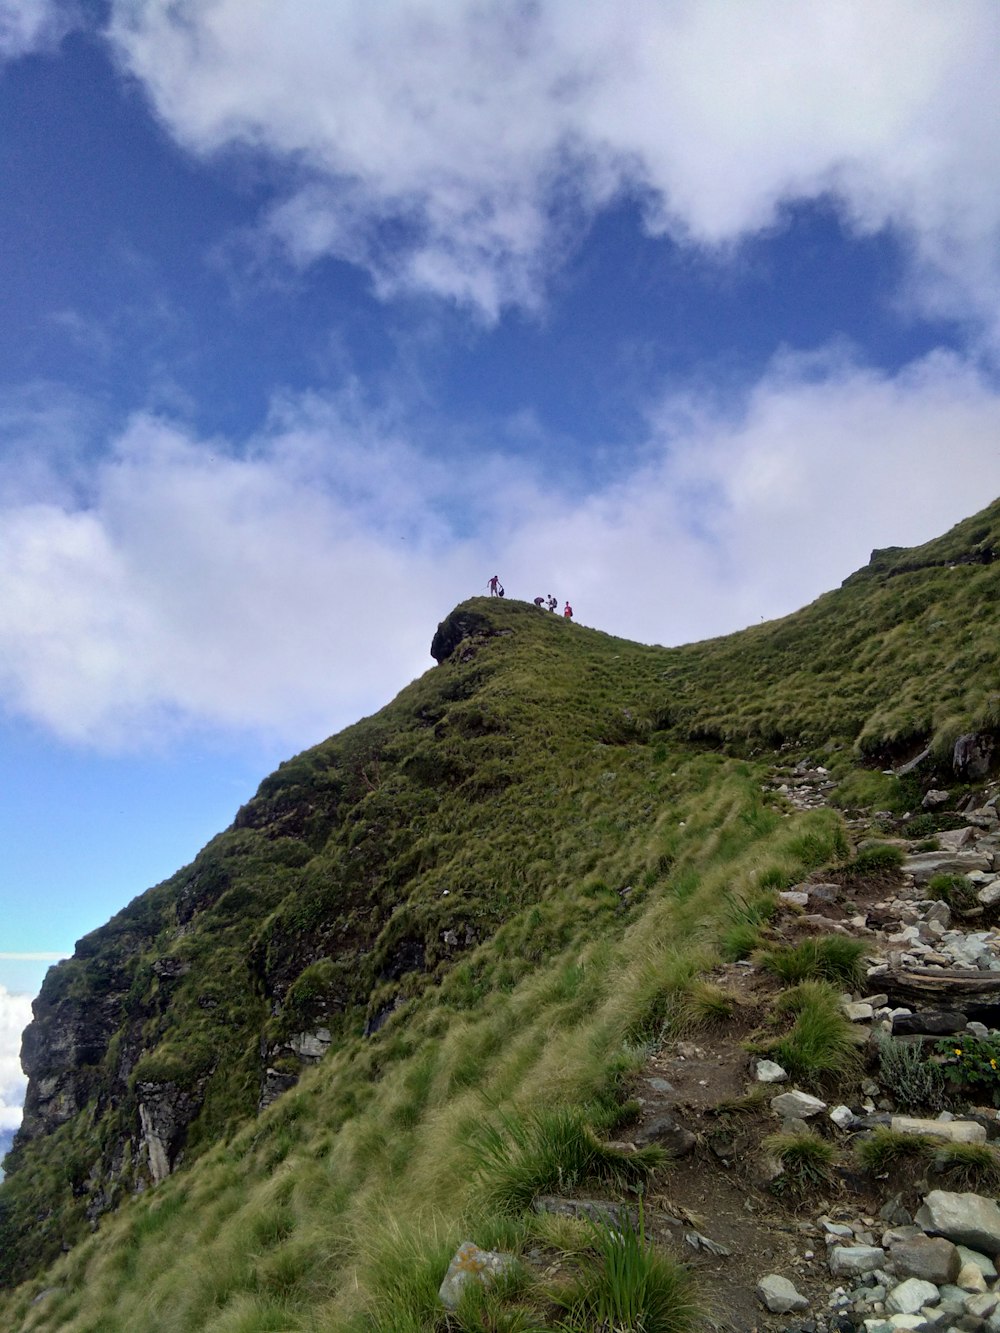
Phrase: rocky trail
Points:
(880, 1253)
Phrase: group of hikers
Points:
(548, 603)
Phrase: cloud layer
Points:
(292, 582)
(15, 1015)
(458, 149)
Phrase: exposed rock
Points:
(665, 1131)
(769, 1071)
(967, 1219)
(971, 1278)
(910, 1295)
(853, 1260)
(930, 1022)
(952, 1131)
(973, 755)
(931, 1258)
(927, 864)
(935, 798)
(471, 1264)
(797, 1105)
(779, 1295)
(982, 1261)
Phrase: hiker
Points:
(551, 603)
(568, 611)
(494, 584)
(539, 602)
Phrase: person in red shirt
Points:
(494, 584)
(568, 611)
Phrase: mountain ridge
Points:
(373, 870)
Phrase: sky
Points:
(317, 313)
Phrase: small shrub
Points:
(828, 957)
(972, 1063)
(885, 1151)
(521, 1157)
(917, 1084)
(632, 1286)
(968, 1167)
(806, 1161)
(957, 891)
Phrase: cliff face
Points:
(365, 869)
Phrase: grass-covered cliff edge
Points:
(483, 898)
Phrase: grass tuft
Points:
(968, 1167)
(885, 1151)
(806, 1162)
(821, 1045)
(836, 958)
(631, 1287)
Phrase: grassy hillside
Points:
(490, 897)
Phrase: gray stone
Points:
(967, 1219)
(982, 1261)
(931, 1258)
(858, 1011)
(934, 798)
(471, 1264)
(842, 1116)
(954, 839)
(989, 894)
(665, 1131)
(982, 1305)
(793, 898)
(769, 1071)
(928, 864)
(910, 1295)
(852, 1260)
(971, 1278)
(779, 1295)
(797, 1105)
(952, 1131)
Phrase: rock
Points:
(842, 1116)
(973, 755)
(970, 1278)
(931, 1258)
(989, 894)
(792, 898)
(665, 1131)
(471, 1264)
(954, 839)
(910, 1295)
(858, 1011)
(967, 1219)
(982, 1304)
(797, 1105)
(779, 1295)
(931, 1023)
(769, 1071)
(928, 864)
(935, 798)
(852, 1260)
(982, 1261)
(952, 1131)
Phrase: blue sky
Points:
(317, 314)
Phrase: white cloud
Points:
(33, 25)
(487, 129)
(293, 583)
(15, 1015)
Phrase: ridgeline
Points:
(273, 1091)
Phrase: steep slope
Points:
(544, 791)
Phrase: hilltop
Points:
(497, 893)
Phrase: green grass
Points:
(968, 1168)
(630, 1286)
(821, 1046)
(806, 1162)
(517, 875)
(835, 958)
(885, 1152)
(958, 891)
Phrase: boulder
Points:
(973, 754)
(665, 1131)
(952, 1131)
(931, 1258)
(967, 1219)
(779, 1295)
(853, 1260)
(910, 1296)
(797, 1105)
(927, 864)
(471, 1264)
(769, 1071)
